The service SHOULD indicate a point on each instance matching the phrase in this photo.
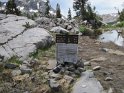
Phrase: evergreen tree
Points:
(69, 14)
(47, 8)
(28, 15)
(80, 8)
(11, 8)
(121, 15)
(86, 12)
(84, 9)
(58, 11)
(0, 5)
(35, 15)
(90, 12)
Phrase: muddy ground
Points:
(112, 66)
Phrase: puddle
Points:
(112, 36)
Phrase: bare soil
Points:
(112, 67)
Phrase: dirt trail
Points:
(112, 66)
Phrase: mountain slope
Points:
(110, 18)
(32, 5)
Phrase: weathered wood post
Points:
(66, 48)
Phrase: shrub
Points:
(27, 25)
(98, 32)
(86, 31)
(121, 24)
(44, 52)
(14, 60)
(82, 28)
(11, 8)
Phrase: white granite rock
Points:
(59, 29)
(16, 41)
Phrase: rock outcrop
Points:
(59, 29)
(110, 18)
(17, 40)
(49, 23)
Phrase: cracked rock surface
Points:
(15, 40)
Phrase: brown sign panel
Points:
(73, 39)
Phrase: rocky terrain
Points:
(106, 59)
(57, 24)
(27, 57)
(28, 34)
(24, 56)
(16, 38)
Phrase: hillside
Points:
(30, 6)
(110, 18)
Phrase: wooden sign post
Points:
(67, 48)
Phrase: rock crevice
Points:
(19, 41)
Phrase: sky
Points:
(102, 6)
(3, 0)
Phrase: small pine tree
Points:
(0, 5)
(69, 14)
(90, 12)
(121, 15)
(80, 8)
(11, 8)
(28, 15)
(86, 12)
(47, 8)
(58, 11)
(35, 15)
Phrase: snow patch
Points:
(20, 8)
(51, 12)
(31, 10)
(38, 5)
(44, 0)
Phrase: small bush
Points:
(121, 24)
(27, 25)
(98, 32)
(86, 31)
(1, 67)
(45, 52)
(14, 60)
(82, 29)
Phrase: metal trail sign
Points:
(67, 48)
